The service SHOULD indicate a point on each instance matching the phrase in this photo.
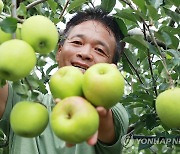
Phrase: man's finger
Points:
(102, 111)
(57, 100)
(92, 140)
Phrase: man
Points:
(90, 37)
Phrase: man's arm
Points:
(3, 99)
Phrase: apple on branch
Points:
(168, 107)
(1, 6)
(17, 59)
(8, 36)
(41, 33)
(103, 85)
(29, 119)
(74, 119)
(65, 82)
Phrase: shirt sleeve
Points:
(12, 99)
(121, 122)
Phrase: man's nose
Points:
(85, 53)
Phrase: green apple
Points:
(103, 85)
(168, 107)
(74, 119)
(17, 59)
(4, 36)
(29, 119)
(41, 33)
(1, 6)
(18, 31)
(65, 82)
(8, 36)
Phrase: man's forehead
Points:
(88, 25)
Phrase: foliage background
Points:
(150, 63)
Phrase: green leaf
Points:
(22, 11)
(51, 68)
(141, 55)
(21, 89)
(140, 4)
(156, 3)
(9, 25)
(175, 16)
(33, 81)
(151, 121)
(176, 2)
(125, 14)
(174, 53)
(122, 25)
(52, 4)
(137, 41)
(126, 66)
(153, 49)
(169, 39)
(171, 30)
(107, 5)
(152, 12)
(144, 146)
(75, 4)
(42, 87)
(128, 60)
(61, 2)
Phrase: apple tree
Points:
(150, 62)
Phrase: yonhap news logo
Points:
(129, 140)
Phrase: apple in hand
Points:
(168, 107)
(17, 59)
(103, 85)
(74, 119)
(41, 33)
(65, 82)
(28, 119)
(1, 6)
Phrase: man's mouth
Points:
(81, 67)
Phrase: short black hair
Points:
(101, 16)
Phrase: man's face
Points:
(87, 43)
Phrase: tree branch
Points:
(65, 6)
(162, 57)
(135, 70)
(150, 64)
(155, 43)
(34, 3)
(4, 15)
(129, 3)
(14, 14)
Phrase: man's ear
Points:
(58, 53)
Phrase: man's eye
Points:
(99, 50)
(77, 42)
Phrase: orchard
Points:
(147, 75)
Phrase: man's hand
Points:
(105, 132)
(91, 141)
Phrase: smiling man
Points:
(90, 37)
